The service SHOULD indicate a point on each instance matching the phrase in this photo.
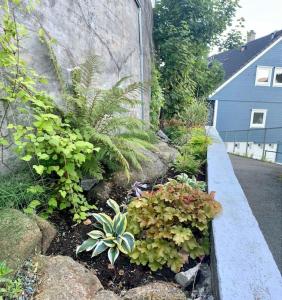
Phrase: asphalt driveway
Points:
(262, 184)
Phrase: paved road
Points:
(262, 184)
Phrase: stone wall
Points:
(109, 29)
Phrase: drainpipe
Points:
(141, 50)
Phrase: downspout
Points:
(141, 50)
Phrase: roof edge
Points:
(246, 66)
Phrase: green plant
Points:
(195, 114)
(40, 136)
(157, 98)
(187, 163)
(104, 117)
(111, 235)
(192, 182)
(15, 190)
(193, 154)
(9, 288)
(169, 222)
(183, 33)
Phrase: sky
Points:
(263, 16)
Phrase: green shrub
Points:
(169, 222)
(111, 235)
(187, 163)
(9, 288)
(192, 182)
(193, 154)
(195, 114)
(40, 136)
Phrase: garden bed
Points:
(124, 275)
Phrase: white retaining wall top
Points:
(245, 266)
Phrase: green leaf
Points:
(39, 169)
(113, 254)
(34, 203)
(87, 245)
(63, 193)
(96, 234)
(128, 240)
(53, 202)
(120, 224)
(105, 221)
(112, 204)
(3, 142)
(100, 247)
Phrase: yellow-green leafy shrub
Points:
(193, 154)
(168, 222)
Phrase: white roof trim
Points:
(245, 67)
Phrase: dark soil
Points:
(123, 275)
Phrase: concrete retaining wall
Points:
(243, 263)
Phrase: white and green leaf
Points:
(112, 204)
(100, 247)
(96, 234)
(87, 245)
(113, 254)
(105, 221)
(128, 241)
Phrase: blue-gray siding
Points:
(237, 99)
(242, 88)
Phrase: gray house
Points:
(248, 105)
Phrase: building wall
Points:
(236, 101)
(107, 28)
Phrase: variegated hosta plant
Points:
(111, 235)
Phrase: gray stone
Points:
(186, 278)
(21, 236)
(106, 295)
(48, 232)
(101, 192)
(157, 164)
(62, 278)
(163, 136)
(156, 291)
(88, 183)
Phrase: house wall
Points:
(107, 28)
(237, 99)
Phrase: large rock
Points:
(22, 236)
(156, 291)
(157, 164)
(106, 295)
(62, 278)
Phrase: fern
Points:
(104, 118)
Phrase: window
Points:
(258, 118)
(263, 77)
(277, 80)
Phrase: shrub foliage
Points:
(173, 219)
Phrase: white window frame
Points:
(252, 125)
(275, 73)
(269, 76)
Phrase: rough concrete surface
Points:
(262, 184)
